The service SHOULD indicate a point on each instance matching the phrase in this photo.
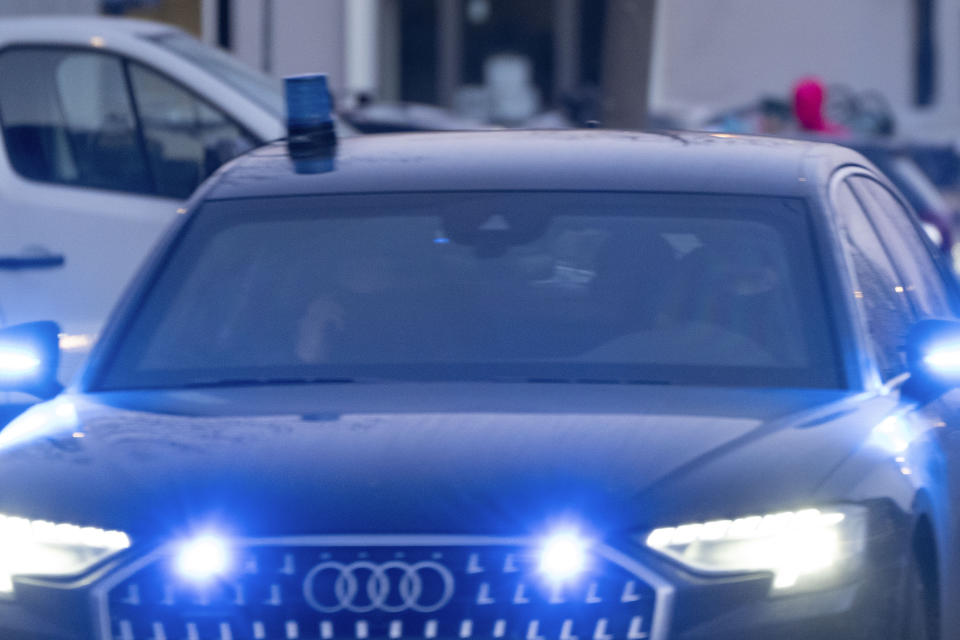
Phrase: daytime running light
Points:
(39, 547)
(790, 544)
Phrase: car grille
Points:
(291, 592)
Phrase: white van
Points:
(108, 125)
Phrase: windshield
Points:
(259, 88)
(516, 286)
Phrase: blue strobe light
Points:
(310, 129)
(563, 556)
(203, 558)
(18, 362)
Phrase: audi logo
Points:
(363, 586)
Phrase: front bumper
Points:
(681, 605)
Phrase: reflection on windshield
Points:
(569, 287)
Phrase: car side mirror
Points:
(29, 359)
(933, 357)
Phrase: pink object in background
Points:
(809, 96)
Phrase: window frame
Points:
(931, 252)
(865, 351)
(142, 134)
(125, 60)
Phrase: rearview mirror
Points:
(29, 358)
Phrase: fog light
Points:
(563, 556)
(203, 558)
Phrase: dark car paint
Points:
(506, 458)
(503, 452)
(301, 460)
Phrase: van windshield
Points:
(257, 87)
(515, 286)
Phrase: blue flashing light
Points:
(563, 556)
(308, 100)
(18, 362)
(203, 558)
(310, 129)
(944, 360)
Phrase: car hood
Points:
(417, 458)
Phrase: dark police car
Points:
(576, 385)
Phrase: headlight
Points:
(798, 547)
(37, 547)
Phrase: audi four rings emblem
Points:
(364, 586)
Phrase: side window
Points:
(186, 138)
(878, 290)
(67, 119)
(922, 279)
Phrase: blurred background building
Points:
(510, 61)
(882, 76)
(498, 60)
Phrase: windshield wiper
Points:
(252, 382)
(561, 380)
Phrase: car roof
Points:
(76, 27)
(575, 160)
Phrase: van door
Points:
(100, 151)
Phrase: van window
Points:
(67, 118)
(71, 117)
(186, 139)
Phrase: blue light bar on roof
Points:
(310, 129)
